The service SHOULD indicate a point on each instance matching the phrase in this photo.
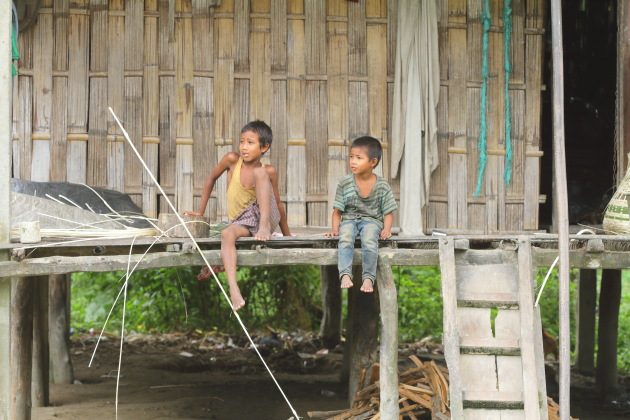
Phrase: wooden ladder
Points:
(492, 332)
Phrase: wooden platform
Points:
(311, 248)
(59, 257)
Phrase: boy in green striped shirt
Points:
(364, 205)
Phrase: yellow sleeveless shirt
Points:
(238, 197)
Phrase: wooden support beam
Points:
(609, 301)
(21, 347)
(362, 328)
(586, 308)
(389, 341)
(450, 336)
(5, 344)
(261, 257)
(59, 285)
(6, 139)
(39, 387)
(331, 303)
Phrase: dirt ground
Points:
(194, 377)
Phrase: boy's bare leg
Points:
(229, 235)
(346, 283)
(263, 197)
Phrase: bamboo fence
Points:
(186, 75)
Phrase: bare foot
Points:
(346, 283)
(263, 234)
(237, 300)
(367, 286)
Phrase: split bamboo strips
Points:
(296, 115)
(186, 75)
(338, 100)
(78, 90)
(42, 98)
(115, 96)
(151, 109)
(184, 94)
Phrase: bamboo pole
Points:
(5, 197)
(561, 207)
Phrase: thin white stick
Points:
(71, 202)
(54, 199)
(102, 199)
(542, 287)
(203, 257)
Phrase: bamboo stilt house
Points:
(186, 75)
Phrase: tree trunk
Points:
(609, 301)
(331, 301)
(39, 387)
(362, 327)
(586, 306)
(21, 347)
(59, 330)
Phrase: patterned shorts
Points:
(250, 217)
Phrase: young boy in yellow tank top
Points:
(254, 206)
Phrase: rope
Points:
(483, 129)
(507, 22)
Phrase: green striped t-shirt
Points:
(378, 203)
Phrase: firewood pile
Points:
(423, 392)
(554, 410)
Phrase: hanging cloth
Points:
(414, 116)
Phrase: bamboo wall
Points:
(184, 76)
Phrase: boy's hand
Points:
(385, 233)
(192, 213)
(331, 234)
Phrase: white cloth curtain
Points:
(414, 119)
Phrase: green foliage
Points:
(286, 298)
(549, 301)
(170, 299)
(419, 302)
(623, 342)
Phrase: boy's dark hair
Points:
(371, 146)
(265, 135)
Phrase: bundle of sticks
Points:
(423, 391)
(554, 410)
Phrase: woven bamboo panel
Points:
(185, 76)
(499, 206)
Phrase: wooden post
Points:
(59, 325)
(39, 387)
(362, 327)
(331, 302)
(623, 88)
(5, 197)
(609, 300)
(561, 211)
(450, 337)
(21, 347)
(586, 303)
(389, 341)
